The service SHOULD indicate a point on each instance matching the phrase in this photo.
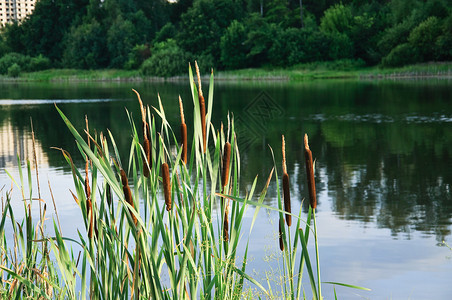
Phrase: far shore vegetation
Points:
(312, 71)
(249, 39)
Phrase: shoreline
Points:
(301, 73)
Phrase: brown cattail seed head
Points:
(226, 224)
(286, 190)
(226, 160)
(183, 132)
(147, 158)
(281, 242)
(166, 185)
(127, 193)
(310, 173)
(89, 205)
(149, 154)
(286, 185)
(202, 109)
(87, 188)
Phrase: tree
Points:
(337, 18)
(233, 48)
(203, 25)
(423, 38)
(167, 59)
(120, 41)
(44, 30)
(86, 47)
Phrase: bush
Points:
(39, 63)
(167, 59)
(14, 70)
(10, 59)
(401, 55)
(288, 47)
(137, 56)
(168, 31)
(339, 46)
(321, 46)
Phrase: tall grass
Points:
(166, 225)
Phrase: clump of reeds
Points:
(202, 110)
(186, 243)
(183, 133)
(128, 194)
(286, 186)
(310, 173)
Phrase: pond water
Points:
(383, 153)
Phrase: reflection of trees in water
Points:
(397, 175)
(380, 159)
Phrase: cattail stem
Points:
(310, 173)
(128, 194)
(286, 185)
(166, 185)
(183, 132)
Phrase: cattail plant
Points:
(183, 132)
(166, 185)
(146, 138)
(286, 186)
(128, 194)
(310, 173)
(202, 109)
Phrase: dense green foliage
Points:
(228, 34)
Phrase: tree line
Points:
(160, 37)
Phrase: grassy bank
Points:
(312, 71)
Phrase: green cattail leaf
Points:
(309, 266)
(348, 285)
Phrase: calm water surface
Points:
(383, 154)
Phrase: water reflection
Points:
(382, 148)
(16, 143)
